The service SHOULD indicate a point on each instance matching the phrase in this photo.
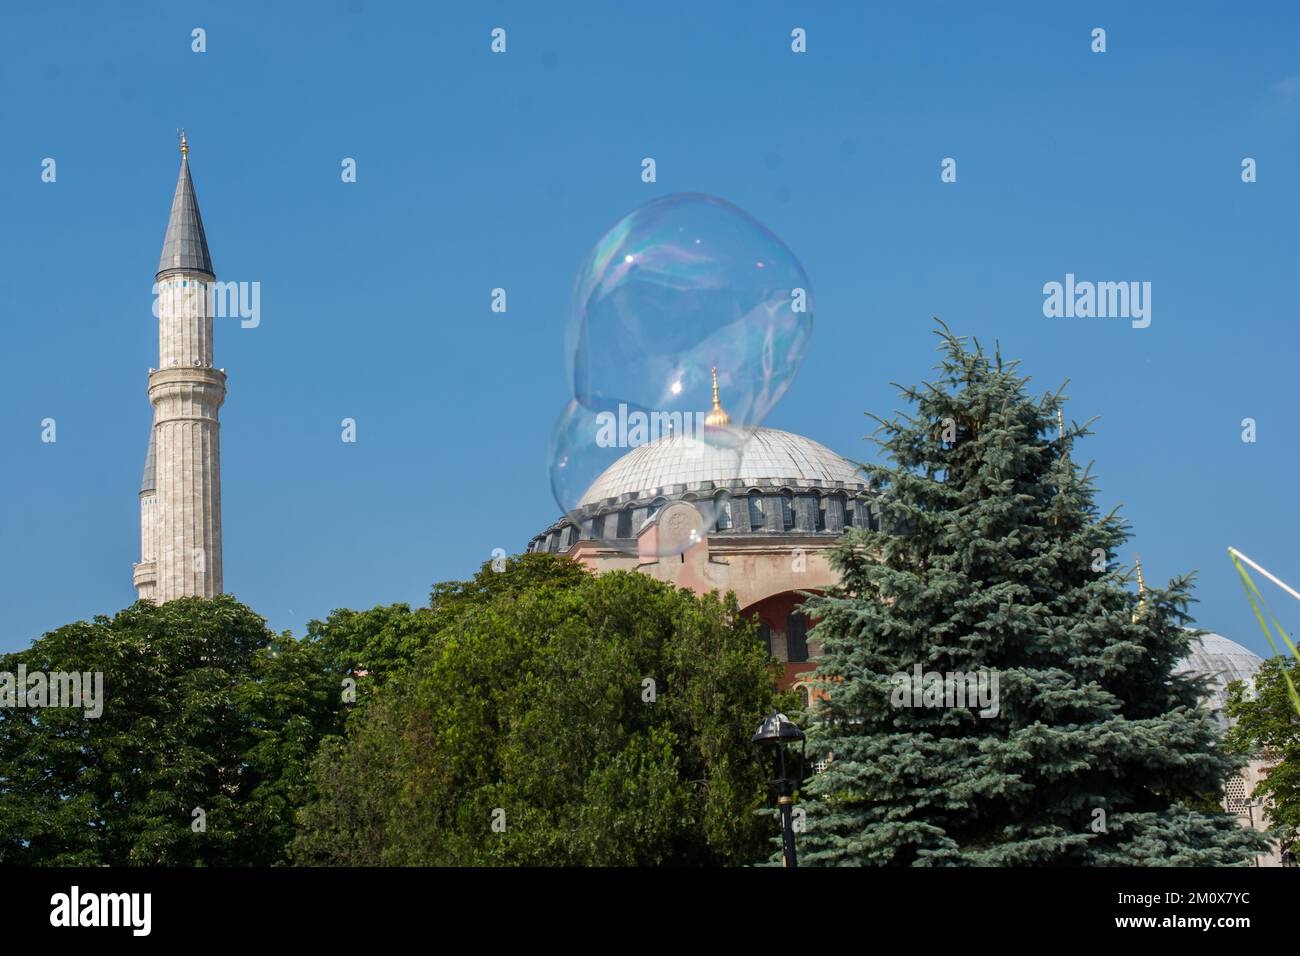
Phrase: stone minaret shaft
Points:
(180, 498)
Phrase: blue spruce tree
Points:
(993, 564)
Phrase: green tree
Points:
(1267, 728)
(204, 708)
(994, 560)
(373, 647)
(596, 721)
(377, 646)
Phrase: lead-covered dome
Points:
(679, 463)
(1223, 661)
(786, 485)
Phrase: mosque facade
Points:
(771, 524)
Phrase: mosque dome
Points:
(681, 463)
(786, 484)
(1223, 661)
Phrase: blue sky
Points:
(478, 170)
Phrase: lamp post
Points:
(782, 768)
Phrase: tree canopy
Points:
(198, 757)
(555, 718)
(1267, 728)
(992, 560)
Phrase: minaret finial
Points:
(718, 416)
(1142, 588)
(185, 146)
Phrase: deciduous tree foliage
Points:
(531, 709)
(526, 691)
(993, 557)
(383, 642)
(204, 709)
(1267, 727)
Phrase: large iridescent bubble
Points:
(680, 286)
(690, 320)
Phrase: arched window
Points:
(755, 511)
(803, 695)
(796, 637)
(624, 523)
(722, 508)
(765, 633)
(787, 511)
(598, 527)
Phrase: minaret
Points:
(1142, 588)
(180, 499)
(146, 572)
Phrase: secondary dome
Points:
(676, 464)
(1223, 661)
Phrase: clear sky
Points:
(477, 171)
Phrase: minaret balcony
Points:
(145, 574)
(188, 383)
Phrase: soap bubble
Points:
(690, 320)
(681, 286)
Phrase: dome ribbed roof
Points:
(769, 455)
(1223, 661)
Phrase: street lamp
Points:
(782, 768)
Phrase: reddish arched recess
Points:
(775, 612)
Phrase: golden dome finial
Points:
(718, 416)
(185, 146)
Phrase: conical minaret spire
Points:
(180, 501)
(185, 246)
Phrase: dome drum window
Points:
(835, 513)
(723, 510)
(774, 510)
(806, 513)
(787, 511)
